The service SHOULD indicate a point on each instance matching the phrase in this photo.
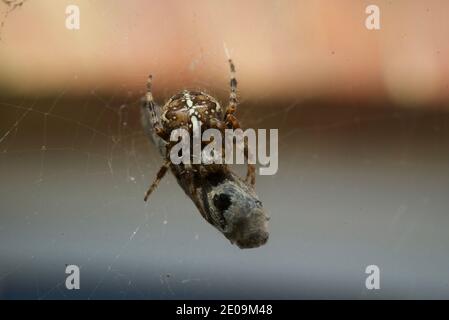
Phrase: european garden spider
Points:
(185, 109)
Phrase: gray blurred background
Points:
(363, 149)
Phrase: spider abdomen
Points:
(187, 107)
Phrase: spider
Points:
(185, 109)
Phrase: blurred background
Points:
(363, 148)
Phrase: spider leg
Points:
(161, 173)
(150, 106)
(232, 121)
(232, 107)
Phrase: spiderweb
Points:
(351, 190)
(11, 5)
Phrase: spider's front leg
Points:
(231, 121)
(189, 169)
(232, 107)
(161, 173)
(150, 106)
(156, 126)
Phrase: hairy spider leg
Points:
(161, 173)
(163, 170)
(233, 94)
(150, 105)
(232, 121)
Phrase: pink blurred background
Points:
(281, 48)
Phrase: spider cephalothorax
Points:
(225, 201)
